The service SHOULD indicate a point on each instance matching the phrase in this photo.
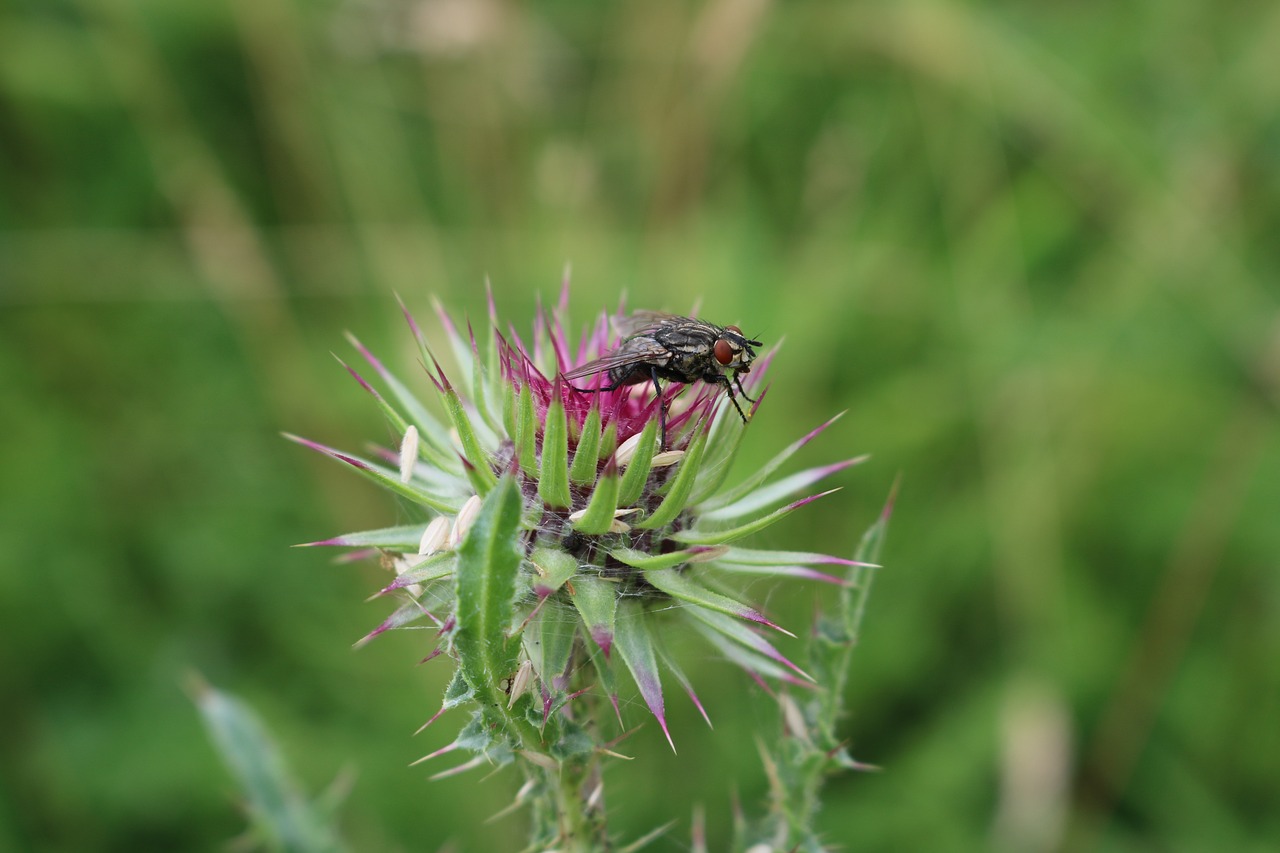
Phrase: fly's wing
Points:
(642, 322)
(640, 350)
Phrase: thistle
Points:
(557, 543)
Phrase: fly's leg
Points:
(738, 381)
(728, 386)
(662, 408)
(614, 387)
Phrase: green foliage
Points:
(1027, 246)
(281, 815)
(488, 570)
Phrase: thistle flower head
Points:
(555, 529)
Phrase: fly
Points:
(678, 349)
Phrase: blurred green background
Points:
(1031, 247)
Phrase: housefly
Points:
(678, 349)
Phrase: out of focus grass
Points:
(1031, 247)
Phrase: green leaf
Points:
(749, 485)
(487, 573)
(586, 456)
(433, 447)
(739, 633)
(636, 647)
(854, 597)
(727, 431)
(637, 472)
(553, 478)
(596, 600)
(608, 442)
(720, 537)
(403, 538)
(554, 568)
(678, 491)
(642, 560)
(480, 471)
(385, 477)
(680, 586)
(276, 802)
(548, 640)
(424, 569)
(526, 431)
(778, 490)
(599, 514)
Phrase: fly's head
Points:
(733, 351)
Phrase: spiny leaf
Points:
(749, 485)
(599, 514)
(402, 538)
(637, 472)
(526, 431)
(779, 490)
(678, 492)
(680, 586)
(433, 447)
(384, 477)
(720, 537)
(553, 477)
(548, 641)
(554, 568)
(249, 751)
(586, 456)
(596, 600)
(480, 471)
(643, 560)
(727, 431)
(636, 648)
(488, 567)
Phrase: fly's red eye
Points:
(723, 351)
(733, 329)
